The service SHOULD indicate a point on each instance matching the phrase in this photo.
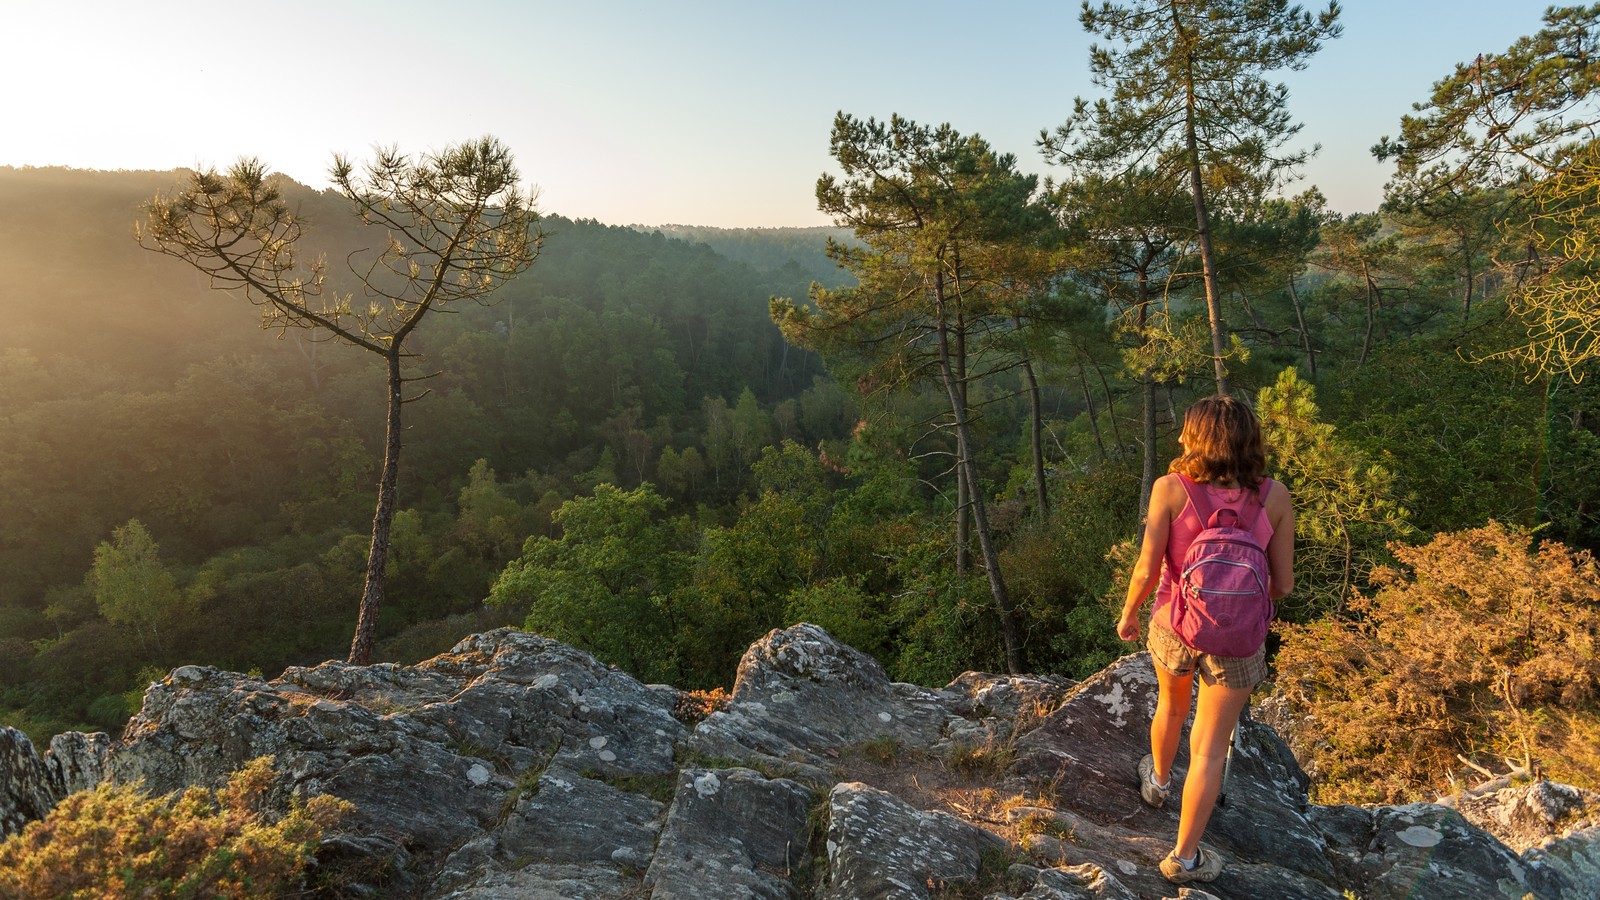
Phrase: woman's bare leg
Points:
(1214, 721)
(1172, 708)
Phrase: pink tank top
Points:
(1187, 526)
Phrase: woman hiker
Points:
(1218, 469)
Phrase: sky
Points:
(698, 112)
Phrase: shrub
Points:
(1485, 646)
(114, 841)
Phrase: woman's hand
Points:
(1128, 625)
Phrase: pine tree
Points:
(1188, 94)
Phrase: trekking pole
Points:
(1227, 761)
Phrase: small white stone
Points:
(607, 756)
(1127, 868)
(597, 742)
(626, 856)
(478, 775)
(885, 717)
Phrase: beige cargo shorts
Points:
(1172, 654)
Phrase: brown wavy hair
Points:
(1221, 442)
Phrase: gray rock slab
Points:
(881, 848)
(26, 790)
(1573, 860)
(801, 696)
(1426, 850)
(732, 834)
(578, 820)
(78, 761)
(1087, 751)
(1081, 882)
(1529, 815)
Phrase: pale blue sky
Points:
(698, 112)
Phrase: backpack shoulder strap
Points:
(1197, 499)
(1260, 496)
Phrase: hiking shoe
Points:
(1153, 794)
(1207, 866)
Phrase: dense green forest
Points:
(935, 440)
(131, 392)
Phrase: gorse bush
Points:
(115, 842)
(1484, 646)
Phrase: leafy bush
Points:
(1486, 646)
(114, 841)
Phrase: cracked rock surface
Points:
(514, 766)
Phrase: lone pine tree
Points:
(458, 225)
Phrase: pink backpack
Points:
(1223, 602)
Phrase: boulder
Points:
(77, 761)
(801, 696)
(1529, 815)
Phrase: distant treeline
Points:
(769, 249)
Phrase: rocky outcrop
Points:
(514, 766)
(31, 785)
(26, 789)
(800, 696)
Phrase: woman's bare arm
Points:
(1157, 527)
(1280, 550)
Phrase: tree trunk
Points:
(963, 529)
(965, 487)
(382, 518)
(1111, 411)
(1202, 228)
(1466, 296)
(1036, 426)
(1010, 633)
(1305, 336)
(1036, 437)
(1366, 339)
(1147, 392)
(1094, 418)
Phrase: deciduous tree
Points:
(131, 585)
